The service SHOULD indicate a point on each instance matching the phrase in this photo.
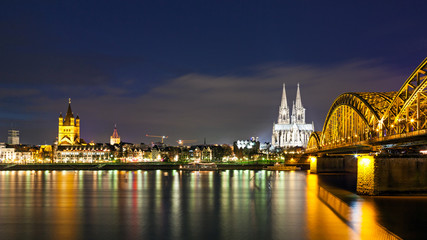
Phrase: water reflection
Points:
(171, 205)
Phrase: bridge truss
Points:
(368, 118)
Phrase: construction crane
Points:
(153, 136)
(182, 142)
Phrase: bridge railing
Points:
(401, 135)
(369, 142)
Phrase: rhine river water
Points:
(233, 204)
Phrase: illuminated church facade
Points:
(69, 128)
(291, 130)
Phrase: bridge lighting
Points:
(313, 164)
(365, 161)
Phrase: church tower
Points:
(299, 109)
(68, 128)
(115, 138)
(284, 110)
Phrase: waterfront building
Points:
(13, 137)
(83, 153)
(69, 128)
(115, 138)
(291, 130)
(7, 154)
(201, 153)
(17, 153)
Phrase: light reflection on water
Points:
(235, 204)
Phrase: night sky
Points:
(195, 69)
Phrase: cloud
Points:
(222, 108)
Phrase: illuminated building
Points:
(7, 153)
(83, 153)
(115, 138)
(71, 148)
(246, 148)
(68, 128)
(291, 130)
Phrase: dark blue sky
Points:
(195, 69)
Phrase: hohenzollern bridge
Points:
(366, 125)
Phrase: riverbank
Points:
(126, 166)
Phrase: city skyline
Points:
(191, 71)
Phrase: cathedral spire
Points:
(284, 109)
(284, 100)
(298, 103)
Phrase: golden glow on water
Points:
(178, 205)
(369, 227)
(322, 223)
(65, 216)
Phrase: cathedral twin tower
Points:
(291, 130)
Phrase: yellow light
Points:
(392, 125)
(412, 120)
(366, 175)
(365, 161)
(313, 164)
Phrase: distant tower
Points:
(68, 128)
(13, 137)
(115, 138)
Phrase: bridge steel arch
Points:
(408, 110)
(353, 118)
(370, 116)
(314, 141)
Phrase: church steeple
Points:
(298, 103)
(69, 118)
(284, 109)
(299, 109)
(284, 103)
(115, 138)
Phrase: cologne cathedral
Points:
(291, 130)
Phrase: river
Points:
(232, 204)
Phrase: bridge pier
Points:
(391, 175)
(333, 164)
(378, 175)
